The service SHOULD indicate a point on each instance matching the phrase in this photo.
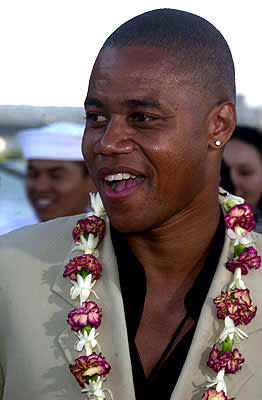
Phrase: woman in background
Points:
(243, 158)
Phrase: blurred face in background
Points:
(57, 188)
(245, 164)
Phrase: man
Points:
(159, 109)
(55, 172)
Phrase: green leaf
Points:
(84, 272)
(238, 249)
(227, 345)
(87, 328)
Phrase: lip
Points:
(126, 192)
(103, 172)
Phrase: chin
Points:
(45, 218)
(130, 224)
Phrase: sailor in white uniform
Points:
(57, 181)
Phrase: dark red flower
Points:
(230, 361)
(212, 394)
(236, 304)
(246, 260)
(92, 224)
(240, 216)
(87, 261)
(88, 313)
(86, 367)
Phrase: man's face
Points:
(57, 188)
(145, 139)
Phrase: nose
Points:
(116, 138)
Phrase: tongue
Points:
(124, 184)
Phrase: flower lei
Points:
(234, 305)
(89, 369)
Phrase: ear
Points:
(221, 124)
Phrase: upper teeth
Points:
(119, 177)
(43, 202)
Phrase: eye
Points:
(95, 117)
(57, 174)
(32, 174)
(245, 172)
(141, 117)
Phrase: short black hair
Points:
(249, 135)
(200, 48)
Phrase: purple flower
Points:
(87, 261)
(231, 361)
(240, 216)
(88, 313)
(212, 394)
(236, 304)
(92, 224)
(86, 367)
(247, 259)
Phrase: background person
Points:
(243, 158)
(57, 181)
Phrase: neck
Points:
(177, 250)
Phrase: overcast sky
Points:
(48, 46)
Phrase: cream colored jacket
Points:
(36, 346)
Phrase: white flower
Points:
(97, 205)
(87, 341)
(231, 331)
(237, 282)
(94, 390)
(218, 382)
(239, 236)
(88, 246)
(82, 288)
(229, 200)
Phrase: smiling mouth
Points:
(43, 203)
(122, 181)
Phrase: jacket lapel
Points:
(62, 286)
(195, 370)
(112, 331)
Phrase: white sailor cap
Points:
(57, 141)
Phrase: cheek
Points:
(88, 144)
(70, 185)
(29, 185)
(253, 182)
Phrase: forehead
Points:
(50, 164)
(133, 67)
(132, 58)
(139, 72)
(240, 152)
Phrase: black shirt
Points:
(133, 288)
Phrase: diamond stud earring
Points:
(217, 143)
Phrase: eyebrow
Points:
(51, 169)
(92, 101)
(144, 102)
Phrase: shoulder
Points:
(18, 223)
(42, 237)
